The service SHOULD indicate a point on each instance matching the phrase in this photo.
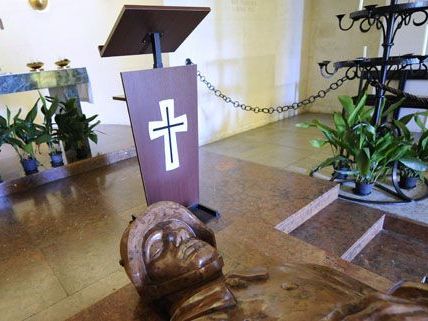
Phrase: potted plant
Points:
(366, 150)
(373, 149)
(74, 129)
(334, 136)
(415, 162)
(50, 134)
(373, 154)
(28, 134)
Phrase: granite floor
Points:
(284, 146)
(59, 243)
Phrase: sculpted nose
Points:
(177, 237)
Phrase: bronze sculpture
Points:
(172, 259)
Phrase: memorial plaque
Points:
(162, 105)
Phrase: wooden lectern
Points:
(162, 102)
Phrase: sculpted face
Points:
(172, 251)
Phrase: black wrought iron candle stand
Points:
(378, 71)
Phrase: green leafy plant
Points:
(359, 148)
(50, 133)
(351, 115)
(25, 133)
(73, 127)
(415, 161)
(373, 150)
(6, 130)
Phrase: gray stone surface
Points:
(13, 83)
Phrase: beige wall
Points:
(249, 48)
(325, 41)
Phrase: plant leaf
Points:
(415, 164)
(32, 114)
(354, 115)
(393, 107)
(347, 104)
(318, 143)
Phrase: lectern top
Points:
(130, 34)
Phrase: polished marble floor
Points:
(284, 146)
(59, 243)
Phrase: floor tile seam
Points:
(252, 162)
(299, 160)
(96, 281)
(299, 149)
(74, 293)
(54, 273)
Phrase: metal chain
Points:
(399, 93)
(270, 110)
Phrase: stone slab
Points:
(244, 189)
(337, 227)
(385, 244)
(396, 256)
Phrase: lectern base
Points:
(203, 213)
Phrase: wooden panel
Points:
(144, 90)
(135, 22)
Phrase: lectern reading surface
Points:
(130, 35)
(162, 102)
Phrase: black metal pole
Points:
(155, 39)
(387, 45)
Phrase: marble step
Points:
(398, 252)
(338, 227)
(393, 247)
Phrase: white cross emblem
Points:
(168, 127)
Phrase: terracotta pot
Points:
(30, 166)
(408, 182)
(363, 189)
